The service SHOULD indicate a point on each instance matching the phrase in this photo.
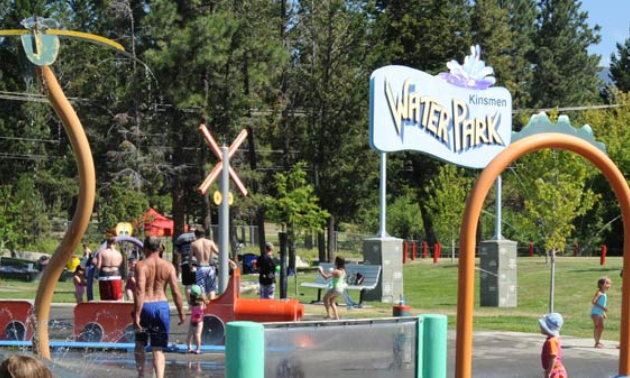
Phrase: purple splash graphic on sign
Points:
(473, 74)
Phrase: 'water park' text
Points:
(450, 123)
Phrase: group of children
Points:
(550, 324)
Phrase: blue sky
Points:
(614, 18)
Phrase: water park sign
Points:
(454, 116)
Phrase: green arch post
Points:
(432, 348)
(245, 350)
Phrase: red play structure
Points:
(16, 320)
(105, 321)
(111, 321)
(230, 306)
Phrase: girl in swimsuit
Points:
(79, 283)
(197, 304)
(336, 287)
(130, 284)
(599, 309)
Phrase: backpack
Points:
(356, 279)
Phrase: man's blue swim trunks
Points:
(155, 319)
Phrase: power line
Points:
(27, 157)
(32, 97)
(35, 97)
(32, 139)
(566, 109)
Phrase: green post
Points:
(432, 350)
(245, 350)
(419, 346)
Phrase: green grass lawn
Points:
(433, 289)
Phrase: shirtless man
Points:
(204, 251)
(108, 262)
(151, 316)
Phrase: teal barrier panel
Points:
(432, 348)
(419, 346)
(245, 350)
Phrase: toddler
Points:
(197, 304)
(130, 284)
(551, 355)
(79, 283)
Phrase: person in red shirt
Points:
(551, 355)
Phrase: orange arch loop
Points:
(465, 292)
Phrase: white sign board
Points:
(412, 110)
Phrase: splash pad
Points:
(385, 346)
(368, 348)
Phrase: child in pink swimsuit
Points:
(551, 355)
(130, 285)
(79, 283)
(197, 304)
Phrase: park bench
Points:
(370, 275)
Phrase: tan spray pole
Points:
(82, 214)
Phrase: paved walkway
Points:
(514, 354)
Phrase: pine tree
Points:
(565, 74)
(328, 82)
(215, 61)
(424, 34)
(518, 78)
(620, 66)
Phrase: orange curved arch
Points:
(465, 292)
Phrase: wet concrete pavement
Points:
(495, 354)
(517, 355)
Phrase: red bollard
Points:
(414, 246)
(425, 250)
(405, 249)
(436, 252)
(602, 257)
(576, 249)
(531, 249)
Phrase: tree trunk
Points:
(253, 165)
(260, 221)
(321, 246)
(427, 222)
(233, 235)
(178, 191)
(331, 239)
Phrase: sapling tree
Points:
(295, 203)
(447, 194)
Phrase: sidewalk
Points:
(514, 354)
